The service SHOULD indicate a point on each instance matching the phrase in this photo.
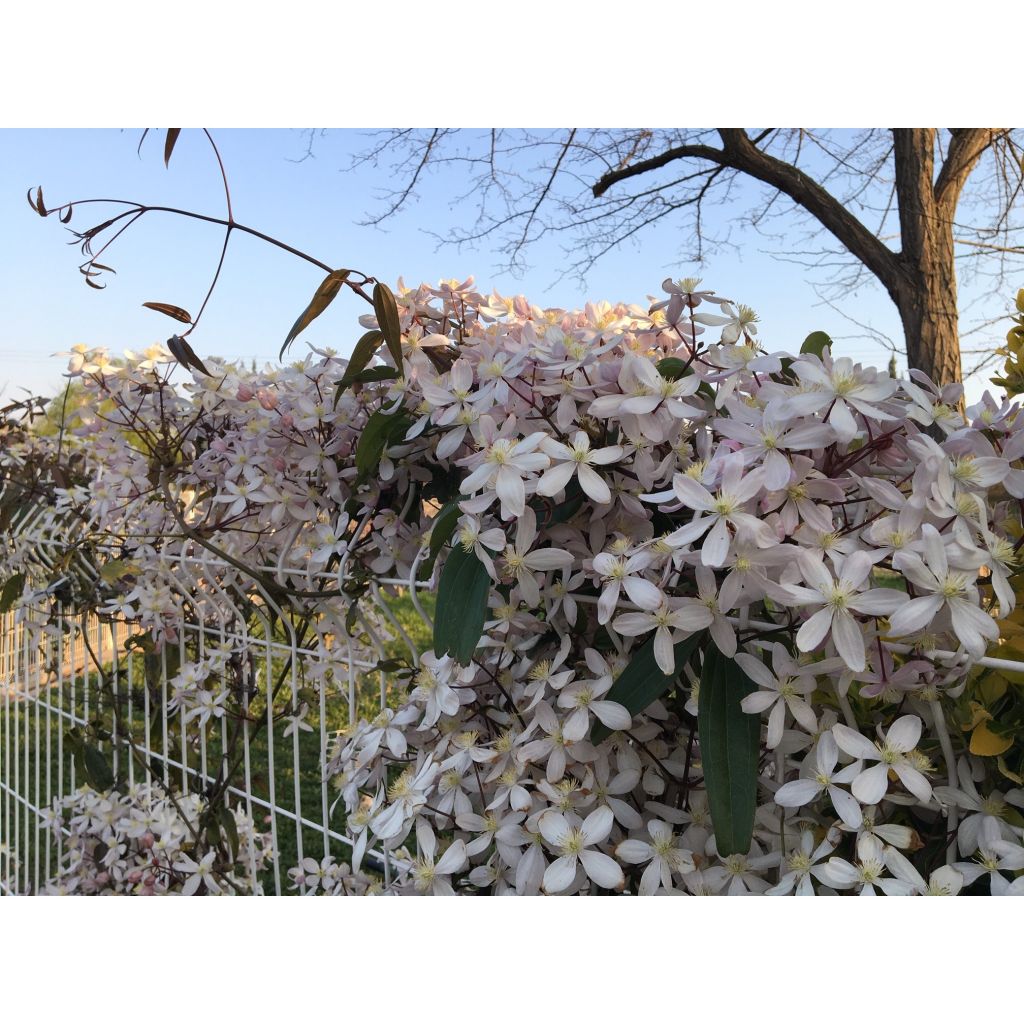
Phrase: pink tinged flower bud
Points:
(286, 420)
(146, 840)
(280, 465)
(148, 881)
(134, 877)
(218, 444)
(102, 878)
(244, 393)
(267, 399)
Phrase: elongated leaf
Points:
(730, 742)
(96, 768)
(386, 308)
(442, 526)
(461, 605)
(230, 829)
(12, 591)
(375, 374)
(380, 430)
(322, 298)
(363, 352)
(184, 353)
(175, 312)
(642, 682)
(172, 138)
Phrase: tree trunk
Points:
(928, 309)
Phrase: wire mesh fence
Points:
(86, 670)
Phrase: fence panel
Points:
(69, 672)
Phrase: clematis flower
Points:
(948, 589)
(577, 460)
(840, 599)
(573, 845)
(665, 856)
(872, 783)
(725, 510)
(818, 775)
(672, 620)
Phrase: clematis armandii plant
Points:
(619, 456)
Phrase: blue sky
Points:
(314, 206)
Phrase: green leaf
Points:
(322, 298)
(213, 832)
(365, 349)
(672, 368)
(386, 308)
(380, 430)
(12, 591)
(730, 743)
(815, 343)
(642, 682)
(117, 568)
(230, 829)
(442, 526)
(375, 374)
(97, 770)
(461, 605)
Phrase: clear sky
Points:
(314, 205)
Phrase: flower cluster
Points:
(637, 502)
(141, 843)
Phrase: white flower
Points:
(866, 873)
(787, 688)
(871, 784)
(727, 509)
(619, 572)
(949, 589)
(673, 616)
(840, 598)
(203, 872)
(572, 843)
(819, 776)
(664, 854)
(577, 459)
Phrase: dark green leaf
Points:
(172, 138)
(672, 368)
(642, 682)
(322, 298)
(12, 591)
(730, 743)
(375, 374)
(381, 429)
(442, 526)
(815, 343)
(363, 352)
(461, 605)
(97, 770)
(386, 308)
(230, 829)
(213, 832)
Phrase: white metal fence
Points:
(50, 681)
